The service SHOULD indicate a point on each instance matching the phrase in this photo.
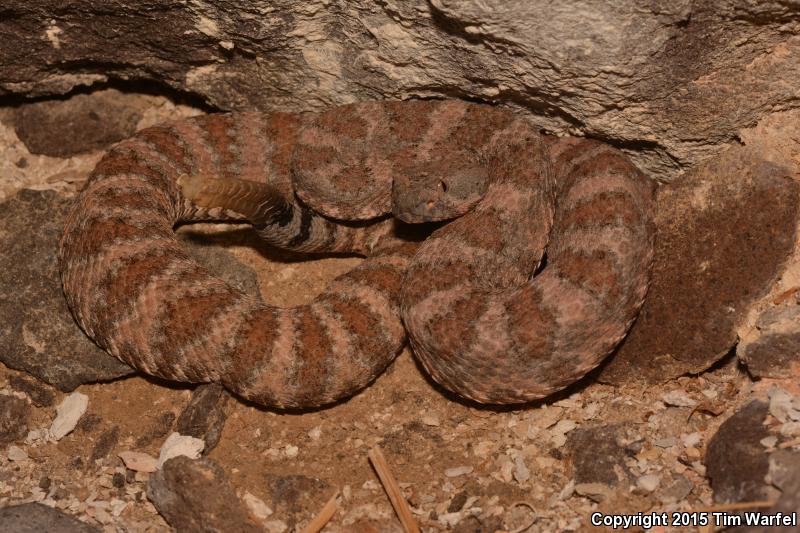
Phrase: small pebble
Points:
(15, 453)
(139, 462)
(256, 505)
(782, 405)
(291, 451)
(769, 442)
(649, 482)
(678, 398)
(315, 433)
(430, 420)
(521, 472)
(597, 492)
(458, 471)
(692, 439)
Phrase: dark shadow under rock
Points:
(38, 518)
(221, 262)
(37, 332)
(724, 235)
(195, 495)
(736, 461)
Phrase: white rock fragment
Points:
(769, 442)
(35, 435)
(139, 461)
(558, 433)
(678, 398)
(177, 444)
(68, 413)
(521, 472)
(315, 433)
(546, 416)
(790, 429)
(275, 526)
(117, 506)
(483, 448)
(649, 482)
(597, 492)
(783, 406)
(567, 491)
(458, 471)
(591, 411)
(430, 420)
(692, 439)
(564, 426)
(291, 451)
(370, 484)
(15, 453)
(257, 507)
(450, 520)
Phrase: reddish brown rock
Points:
(775, 347)
(600, 454)
(14, 413)
(736, 461)
(205, 416)
(724, 234)
(79, 124)
(195, 495)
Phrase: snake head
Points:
(440, 188)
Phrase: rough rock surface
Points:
(204, 417)
(290, 494)
(84, 122)
(39, 393)
(670, 81)
(35, 518)
(777, 346)
(37, 332)
(725, 233)
(14, 413)
(736, 460)
(597, 455)
(195, 495)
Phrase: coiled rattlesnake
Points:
(479, 320)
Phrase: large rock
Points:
(37, 332)
(668, 81)
(197, 496)
(736, 461)
(725, 235)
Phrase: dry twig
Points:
(324, 516)
(393, 491)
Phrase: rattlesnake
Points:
(478, 319)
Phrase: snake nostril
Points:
(443, 186)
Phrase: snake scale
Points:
(535, 281)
